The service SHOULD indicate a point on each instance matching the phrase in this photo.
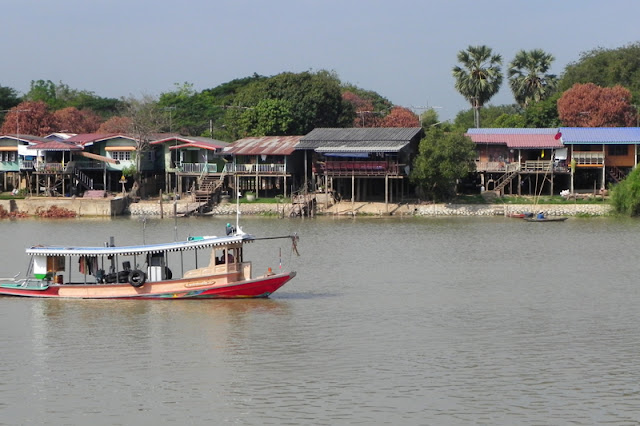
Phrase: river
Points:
(415, 321)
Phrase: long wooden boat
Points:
(143, 272)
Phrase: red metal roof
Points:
(518, 141)
(85, 138)
(55, 146)
(266, 145)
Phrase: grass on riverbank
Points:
(510, 199)
(274, 200)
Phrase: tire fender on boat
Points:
(137, 278)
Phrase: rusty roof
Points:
(266, 145)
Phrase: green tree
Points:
(543, 114)
(488, 115)
(44, 91)
(606, 68)
(443, 159)
(315, 100)
(625, 196)
(510, 121)
(60, 95)
(8, 99)
(529, 79)
(271, 117)
(429, 118)
(187, 112)
(479, 78)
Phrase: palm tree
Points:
(479, 78)
(528, 77)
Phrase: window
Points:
(7, 156)
(618, 150)
(121, 155)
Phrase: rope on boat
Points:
(294, 241)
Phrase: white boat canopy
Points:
(192, 244)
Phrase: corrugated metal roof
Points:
(519, 141)
(361, 146)
(53, 145)
(600, 135)
(359, 138)
(200, 141)
(512, 131)
(85, 138)
(267, 145)
(24, 138)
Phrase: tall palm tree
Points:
(528, 77)
(479, 78)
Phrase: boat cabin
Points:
(136, 265)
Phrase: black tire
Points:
(137, 278)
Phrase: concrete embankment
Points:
(382, 209)
(118, 206)
(81, 206)
(466, 209)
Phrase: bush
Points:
(625, 196)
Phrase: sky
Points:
(404, 50)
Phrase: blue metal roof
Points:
(600, 135)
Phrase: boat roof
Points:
(192, 244)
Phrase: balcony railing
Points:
(588, 158)
(50, 167)
(537, 166)
(27, 164)
(253, 168)
(89, 165)
(370, 168)
(496, 166)
(198, 168)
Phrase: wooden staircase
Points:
(504, 180)
(208, 186)
(616, 174)
(83, 179)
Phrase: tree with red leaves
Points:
(116, 125)
(72, 120)
(366, 116)
(589, 105)
(29, 118)
(400, 117)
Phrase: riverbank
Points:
(382, 209)
(118, 206)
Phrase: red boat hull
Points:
(256, 288)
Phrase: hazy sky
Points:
(402, 49)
